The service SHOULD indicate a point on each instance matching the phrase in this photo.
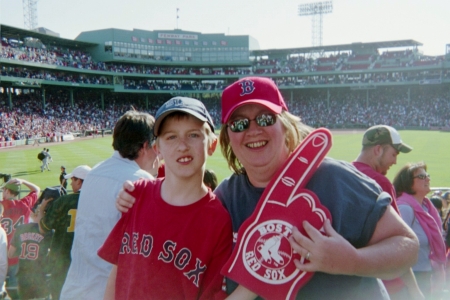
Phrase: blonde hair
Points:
(294, 130)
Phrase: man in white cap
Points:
(60, 216)
(380, 146)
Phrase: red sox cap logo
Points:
(247, 87)
(263, 258)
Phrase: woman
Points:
(366, 240)
(412, 184)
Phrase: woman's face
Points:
(258, 147)
(421, 183)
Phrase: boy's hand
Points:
(124, 200)
(15, 181)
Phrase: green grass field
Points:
(429, 146)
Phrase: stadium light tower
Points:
(30, 14)
(316, 10)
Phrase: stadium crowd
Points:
(428, 109)
(28, 120)
(52, 55)
(30, 117)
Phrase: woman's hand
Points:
(329, 253)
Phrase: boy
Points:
(16, 212)
(32, 248)
(174, 241)
(3, 257)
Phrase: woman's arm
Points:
(124, 200)
(391, 251)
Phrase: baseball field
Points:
(432, 147)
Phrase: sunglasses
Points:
(422, 176)
(263, 120)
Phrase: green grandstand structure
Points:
(165, 63)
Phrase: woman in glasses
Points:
(365, 237)
(412, 184)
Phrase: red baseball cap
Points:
(258, 90)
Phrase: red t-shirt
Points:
(396, 284)
(17, 212)
(169, 252)
(382, 181)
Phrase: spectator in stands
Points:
(133, 158)
(16, 212)
(3, 257)
(380, 146)
(210, 179)
(59, 218)
(36, 140)
(31, 247)
(437, 203)
(412, 184)
(446, 203)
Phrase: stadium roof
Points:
(10, 32)
(344, 47)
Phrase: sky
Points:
(274, 24)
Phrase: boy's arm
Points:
(13, 244)
(11, 251)
(110, 291)
(31, 186)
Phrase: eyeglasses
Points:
(263, 120)
(422, 176)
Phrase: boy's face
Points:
(183, 144)
(6, 194)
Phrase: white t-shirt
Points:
(96, 216)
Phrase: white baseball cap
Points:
(79, 172)
(383, 134)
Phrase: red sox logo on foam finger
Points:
(263, 260)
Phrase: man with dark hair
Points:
(133, 158)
